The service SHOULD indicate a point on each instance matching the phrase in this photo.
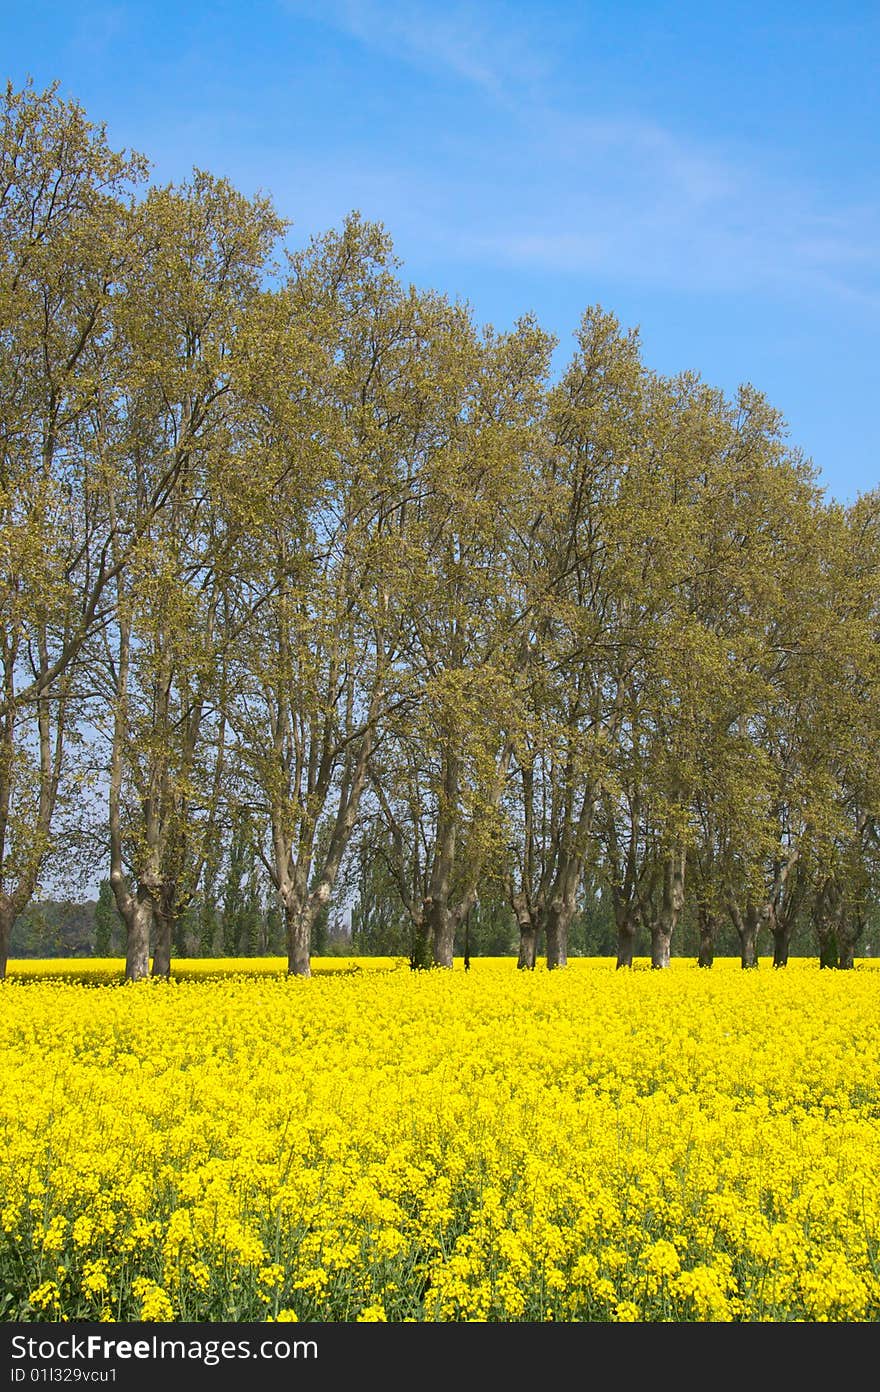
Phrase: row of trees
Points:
(246, 921)
(297, 561)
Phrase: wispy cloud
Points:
(635, 200)
(610, 194)
(491, 48)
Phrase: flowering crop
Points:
(386, 1145)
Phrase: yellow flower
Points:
(409, 1163)
(155, 1304)
(56, 1233)
(94, 1278)
(46, 1297)
(660, 1260)
(626, 1312)
(83, 1231)
(372, 1314)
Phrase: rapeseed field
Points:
(375, 1144)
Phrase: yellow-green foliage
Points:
(381, 1144)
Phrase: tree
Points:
(64, 246)
(715, 505)
(575, 653)
(203, 250)
(439, 775)
(840, 863)
(317, 670)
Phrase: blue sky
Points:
(708, 172)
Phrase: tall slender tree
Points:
(65, 246)
(204, 251)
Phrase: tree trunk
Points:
(138, 915)
(849, 931)
(748, 938)
(163, 928)
(527, 923)
(708, 924)
(627, 927)
(528, 946)
(443, 924)
(828, 952)
(438, 919)
(557, 920)
(298, 922)
(661, 941)
(7, 921)
(420, 958)
(827, 923)
(747, 926)
(671, 904)
(781, 943)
